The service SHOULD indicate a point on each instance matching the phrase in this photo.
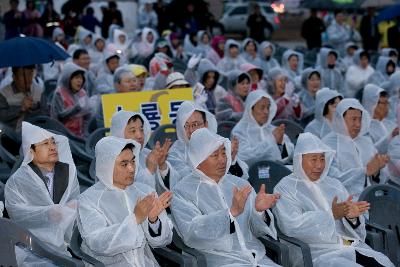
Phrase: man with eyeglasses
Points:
(42, 194)
(190, 118)
(382, 130)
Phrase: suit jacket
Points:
(60, 183)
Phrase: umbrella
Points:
(24, 51)
(377, 3)
(388, 13)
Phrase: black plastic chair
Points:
(161, 133)
(12, 235)
(384, 217)
(92, 125)
(225, 128)
(274, 249)
(268, 173)
(93, 138)
(292, 130)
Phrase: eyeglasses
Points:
(194, 125)
(47, 143)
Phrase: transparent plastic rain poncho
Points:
(257, 142)
(394, 155)
(255, 61)
(379, 131)
(307, 100)
(267, 63)
(201, 211)
(304, 211)
(285, 63)
(331, 78)
(380, 74)
(119, 121)
(227, 63)
(356, 77)
(393, 88)
(178, 152)
(321, 126)
(352, 155)
(28, 201)
(106, 218)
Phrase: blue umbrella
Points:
(388, 13)
(24, 51)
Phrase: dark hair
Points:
(108, 59)
(250, 41)
(364, 54)
(391, 62)
(135, 118)
(90, 11)
(314, 72)
(242, 77)
(76, 73)
(78, 52)
(330, 102)
(383, 94)
(112, 4)
(393, 53)
(129, 146)
(203, 114)
(293, 55)
(337, 11)
(233, 45)
(15, 69)
(33, 147)
(333, 53)
(344, 114)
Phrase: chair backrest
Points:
(12, 234)
(51, 124)
(225, 128)
(92, 125)
(10, 143)
(385, 206)
(93, 138)
(161, 133)
(268, 173)
(292, 130)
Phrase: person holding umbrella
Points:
(21, 98)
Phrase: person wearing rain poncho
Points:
(318, 210)
(82, 58)
(325, 106)
(376, 101)
(204, 78)
(292, 62)
(249, 52)
(357, 163)
(231, 106)
(258, 139)
(105, 76)
(219, 213)
(267, 51)
(189, 118)
(119, 218)
(70, 103)
(392, 86)
(154, 169)
(257, 76)
(282, 91)
(348, 58)
(311, 83)
(146, 46)
(42, 194)
(394, 155)
(357, 74)
(331, 75)
(385, 67)
(122, 43)
(203, 43)
(391, 53)
(97, 54)
(231, 60)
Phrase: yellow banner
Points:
(159, 106)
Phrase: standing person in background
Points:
(111, 15)
(89, 21)
(257, 23)
(147, 16)
(369, 31)
(49, 20)
(312, 29)
(13, 20)
(394, 35)
(339, 33)
(32, 19)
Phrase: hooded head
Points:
(273, 75)
(204, 68)
(236, 77)
(386, 66)
(85, 36)
(263, 46)
(350, 47)
(252, 70)
(120, 39)
(203, 38)
(371, 98)
(122, 126)
(58, 33)
(322, 97)
(249, 41)
(107, 150)
(149, 36)
(289, 59)
(359, 57)
(356, 126)
(393, 85)
(230, 43)
(71, 70)
(210, 153)
(307, 162)
(185, 111)
(390, 52)
(324, 54)
(259, 108)
(32, 134)
(216, 44)
(312, 77)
